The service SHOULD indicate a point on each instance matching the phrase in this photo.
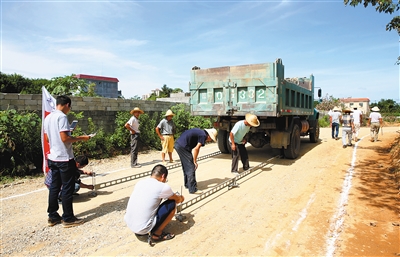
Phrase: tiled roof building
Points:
(361, 104)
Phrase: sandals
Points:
(163, 236)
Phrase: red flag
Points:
(48, 105)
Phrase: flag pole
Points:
(48, 105)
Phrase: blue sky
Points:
(146, 44)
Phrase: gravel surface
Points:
(287, 208)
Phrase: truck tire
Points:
(293, 149)
(222, 139)
(314, 135)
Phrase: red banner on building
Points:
(48, 105)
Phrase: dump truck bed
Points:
(256, 88)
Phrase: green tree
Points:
(71, 85)
(152, 97)
(387, 106)
(13, 83)
(136, 97)
(386, 6)
(165, 91)
(177, 90)
(36, 86)
(328, 102)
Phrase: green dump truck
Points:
(284, 106)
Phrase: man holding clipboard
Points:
(57, 132)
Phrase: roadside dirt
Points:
(329, 202)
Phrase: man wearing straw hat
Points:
(348, 127)
(165, 131)
(238, 141)
(133, 126)
(375, 121)
(334, 118)
(188, 148)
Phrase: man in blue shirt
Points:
(192, 139)
(238, 141)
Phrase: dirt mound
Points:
(395, 157)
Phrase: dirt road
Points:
(330, 201)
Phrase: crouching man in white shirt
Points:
(145, 213)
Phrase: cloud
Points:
(92, 53)
(131, 42)
(76, 38)
(30, 64)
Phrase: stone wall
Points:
(102, 110)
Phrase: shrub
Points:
(120, 137)
(99, 146)
(181, 118)
(148, 124)
(184, 120)
(20, 142)
(324, 121)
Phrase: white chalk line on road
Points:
(44, 188)
(303, 213)
(334, 232)
(338, 217)
(271, 242)
(39, 190)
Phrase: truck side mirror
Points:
(319, 92)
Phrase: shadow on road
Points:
(379, 187)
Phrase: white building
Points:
(362, 104)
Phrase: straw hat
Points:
(347, 110)
(252, 120)
(136, 109)
(336, 109)
(212, 133)
(375, 109)
(169, 113)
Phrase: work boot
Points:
(75, 222)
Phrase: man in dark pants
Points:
(146, 211)
(334, 118)
(192, 139)
(133, 126)
(61, 163)
(238, 142)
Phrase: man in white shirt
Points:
(357, 117)
(133, 126)
(334, 118)
(144, 213)
(61, 163)
(375, 121)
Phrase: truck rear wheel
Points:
(293, 149)
(223, 141)
(314, 135)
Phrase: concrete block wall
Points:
(102, 110)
